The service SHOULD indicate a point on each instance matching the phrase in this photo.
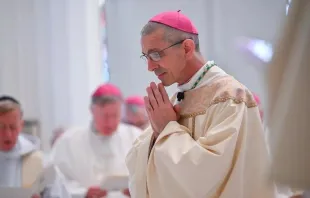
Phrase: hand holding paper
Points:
(15, 192)
(126, 192)
(95, 192)
(47, 177)
(115, 183)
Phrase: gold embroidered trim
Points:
(219, 100)
(235, 100)
(193, 114)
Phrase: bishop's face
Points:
(136, 115)
(11, 125)
(107, 117)
(165, 59)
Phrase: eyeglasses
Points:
(156, 56)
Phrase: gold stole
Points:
(197, 101)
(32, 166)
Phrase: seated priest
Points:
(21, 161)
(87, 156)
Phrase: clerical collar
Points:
(97, 133)
(188, 86)
(195, 80)
(99, 136)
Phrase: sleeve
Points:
(60, 156)
(206, 160)
(132, 162)
(136, 132)
(57, 188)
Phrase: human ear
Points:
(189, 47)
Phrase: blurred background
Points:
(54, 53)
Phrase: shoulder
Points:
(33, 159)
(228, 88)
(32, 166)
(127, 128)
(72, 133)
(74, 130)
(36, 154)
(223, 90)
(137, 135)
(129, 132)
(144, 137)
(69, 140)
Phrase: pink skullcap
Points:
(256, 98)
(107, 90)
(135, 100)
(176, 20)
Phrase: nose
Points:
(151, 65)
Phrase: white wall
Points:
(50, 56)
(50, 59)
(219, 22)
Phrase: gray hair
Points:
(133, 108)
(7, 106)
(103, 100)
(171, 35)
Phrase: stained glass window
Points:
(288, 3)
(104, 49)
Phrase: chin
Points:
(7, 148)
(167, 84)
(107, 132)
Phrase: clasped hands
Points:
(159, 108)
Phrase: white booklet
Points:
(47, 177)
(115, 183)
(7, 192)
